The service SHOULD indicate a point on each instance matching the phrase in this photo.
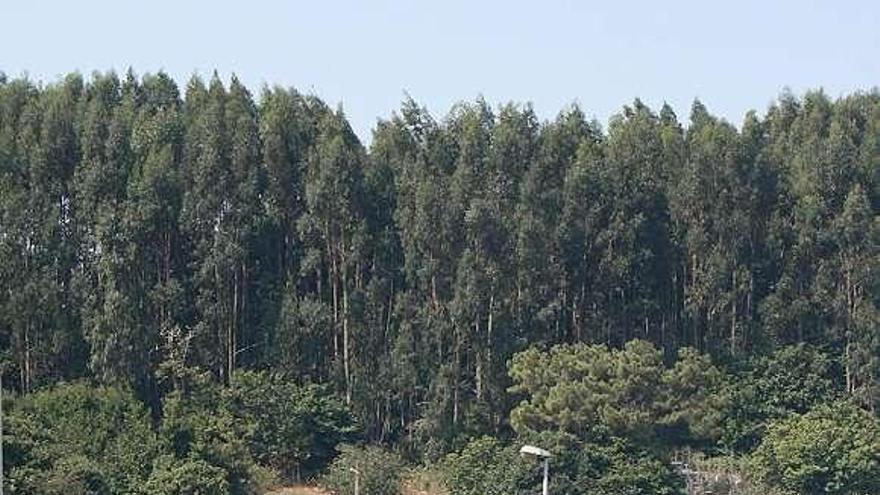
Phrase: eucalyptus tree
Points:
(539, 274)
(146, 303)
(333, 229)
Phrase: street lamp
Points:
(540, 453)
(357, 476)
(2, 477)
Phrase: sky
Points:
(367, 55)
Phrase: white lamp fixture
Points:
(540, 453)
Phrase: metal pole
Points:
(1, 432)
(546, 476)
(357, 480)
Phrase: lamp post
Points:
(540, 453)
(357, 479)
(2, 480)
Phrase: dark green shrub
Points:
(831, 449)
(288, 427)
(187, 477)
(487, 467)
(91, 439)
(380, 471)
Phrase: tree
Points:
(334, 231)
(592, 392)
(854, 296)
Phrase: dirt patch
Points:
(313, 490)
(298, 490)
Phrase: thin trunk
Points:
(850, 379)
(346, 353)
(219, 326)
(434, 300)
(456, 374)
(334, 284)
(489, 333)
(26, 381)
(689, 291)
(478, 375)
(749, 299)
(848, 368)
(733, 314)
(233, 337)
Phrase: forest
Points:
(208, 291)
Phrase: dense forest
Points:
(237, 283)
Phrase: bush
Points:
(74, 475)
(793, 379)
(187, 477)
(832, 449)
(197, 427)
(486, 467)
(380, 471)
(621, 468)
(290, 428)
(77, 438)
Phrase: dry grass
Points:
(299, 490)
(424, 481)
(408, 489)
(418, 481)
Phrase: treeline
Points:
(148, 233)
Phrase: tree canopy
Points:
(213, 253)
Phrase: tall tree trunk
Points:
(489, 337)
(346, 352)
(733, 313)
(233, 324)
(456, 375)
(26, 369)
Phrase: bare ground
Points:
(313, 490)
(299, 490)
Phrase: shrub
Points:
(187, 477)
(197, 427)
(93, 440)
(793, 379)
(380, 471)
(486, 467)
(831, 449)
(290, 428)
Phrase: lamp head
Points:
(536, 451)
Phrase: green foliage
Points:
(694, 399)
(187, 477)
(621, 468)
(793, 379)
(486, 467)
(164, 241)
(592, 392)
(380, 471)
(97, 438)
(831, 449)
(198, 428)
(289, 428)
(223, 440)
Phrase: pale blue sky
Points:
(734, 57)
